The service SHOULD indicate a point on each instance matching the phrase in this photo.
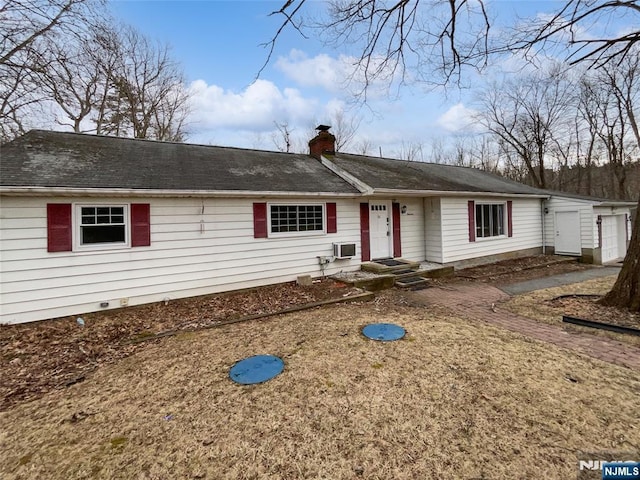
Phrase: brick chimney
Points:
(324, 142)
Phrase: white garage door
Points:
(568, 233)
(610, 241)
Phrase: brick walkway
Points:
(474, 301)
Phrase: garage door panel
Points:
(610, 238)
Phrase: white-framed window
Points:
(490, 220)
(296, 218)
(102, 226)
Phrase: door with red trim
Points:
(380, 229)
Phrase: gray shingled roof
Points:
(56, 159)
(385, 173)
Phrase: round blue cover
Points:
(384, 332)
(256, 369)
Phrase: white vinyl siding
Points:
(412, 229)
(554, 204)
(455, 230)
(433, 230)
(197, 247)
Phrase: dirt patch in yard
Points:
(520, 269)
(576, 300)
(452, 400)
(38, 357)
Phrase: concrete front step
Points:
(406, 274)
(381, 269)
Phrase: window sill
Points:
(317, 233)
(101, 247)
(488, 239)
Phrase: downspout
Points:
(544, 239)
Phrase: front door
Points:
(380, 229)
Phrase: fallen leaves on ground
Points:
(588, 308)
(453, 399)
(579, 301)
(41, 356)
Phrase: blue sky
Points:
(219, 45)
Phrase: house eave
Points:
(614, 204)
(127, 192)
(444, 193)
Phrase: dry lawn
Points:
(539, 306)
(451, 400)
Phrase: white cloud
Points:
(254, 108)
(458, 118)
(342, 75)
(319, 71)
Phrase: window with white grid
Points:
(297, 218)
(103, 224)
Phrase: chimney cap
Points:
(323, 128)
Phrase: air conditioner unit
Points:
(344, 250)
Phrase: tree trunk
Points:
(626, 291)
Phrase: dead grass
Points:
(538, 305)
(40, 356)
(451, 400)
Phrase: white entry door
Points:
(610, 244)
(568, 233)
(379, 229)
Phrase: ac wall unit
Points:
(344, 250)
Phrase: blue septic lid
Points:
(256, 369)
(385, 332)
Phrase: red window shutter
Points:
(471, 206)
(140, 225)
(395, 218)
(332, 219)
(259, 220)
(509, 218)
(59, 227)
(364, 232)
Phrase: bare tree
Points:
(63, 58)
(72, 80)
(485, 155)
(149, 99)
(588, 124)
(344, 127)
(528, 114)
(363, 147)
(25, 22)
(282, 137)
(433, 41)
(27, 29)
(411, 151)
(570, 25)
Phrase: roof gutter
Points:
(125, 192)
(444, 193)
(617, 203)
